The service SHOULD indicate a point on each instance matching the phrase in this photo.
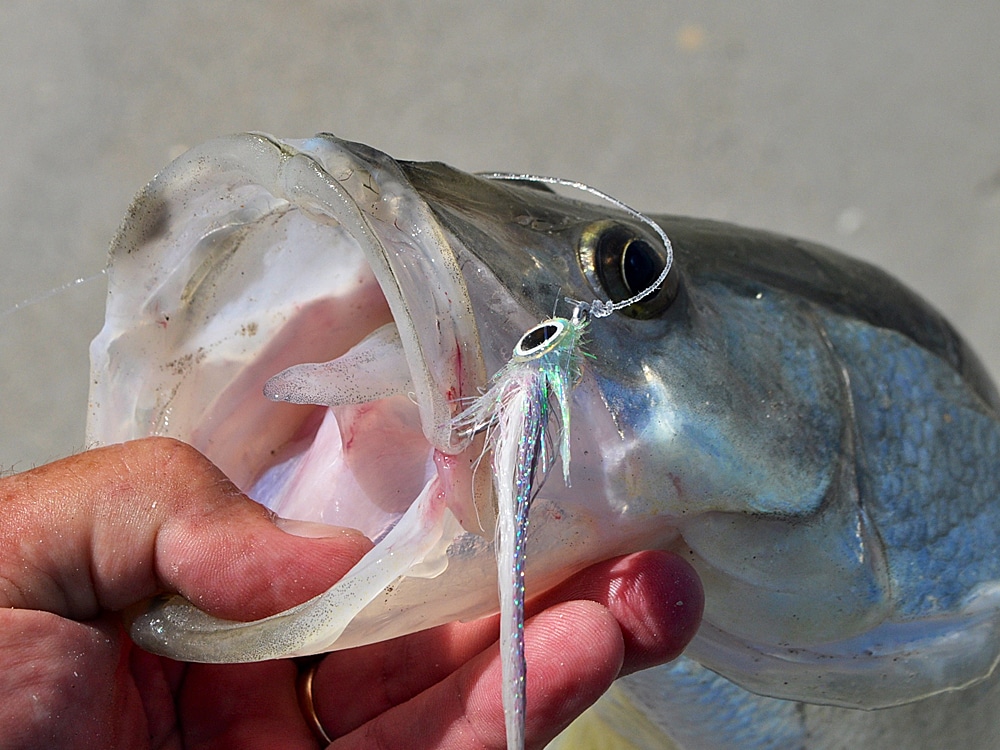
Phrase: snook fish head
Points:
(715, 418)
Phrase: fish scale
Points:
(912, 411)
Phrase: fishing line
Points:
(599, 308)
(516, 413)
(48, 294)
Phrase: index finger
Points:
(110, 527)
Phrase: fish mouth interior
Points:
(400, 364)
(248, 256)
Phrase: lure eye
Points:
(539, 339)
(619, 262)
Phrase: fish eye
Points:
(620, 262)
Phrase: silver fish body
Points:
(818, 441)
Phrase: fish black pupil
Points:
(641, 265)
(537, 336)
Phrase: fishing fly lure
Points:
(516, 413)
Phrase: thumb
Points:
(110, 527)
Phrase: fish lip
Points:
(414, 263)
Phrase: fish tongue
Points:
(368, 458)
(340, 478)
(363, 468)
(375, 368)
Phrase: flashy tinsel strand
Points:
(527, 410)
(516, 412)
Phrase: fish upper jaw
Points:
(416, 268)
(434, 328)
(241, 237)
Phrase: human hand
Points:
(87, 537)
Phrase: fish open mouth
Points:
(310, 271)
(317, 273)
(384, 430)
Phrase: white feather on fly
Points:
(515, 412)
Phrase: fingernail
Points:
(313, 529)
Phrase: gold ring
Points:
(304, 690)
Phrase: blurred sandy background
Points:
(873, 127)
